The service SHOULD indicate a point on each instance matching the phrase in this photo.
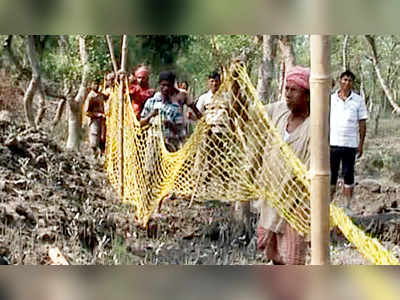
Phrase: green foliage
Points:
(193, 57)
(302, 49)
(61, 65)
(207, 53)
(99, 57)
(160, 50)
(66, 65)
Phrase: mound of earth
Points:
(54, 198)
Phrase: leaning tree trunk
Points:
(266, 68)
(75, 104)
(59, 112)
(372, 44)
(34, 84)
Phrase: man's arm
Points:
(195, 110)
(362, 124)
(146, 120)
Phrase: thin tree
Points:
(375, 62)
(112, 54)
(288, 59)
(34, 85)
(267, 67)
(74, 104)
(287, 50)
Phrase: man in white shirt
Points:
(205, 100)
(208, 106)
(347, 133)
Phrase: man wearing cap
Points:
(140, 90)
(281, 243)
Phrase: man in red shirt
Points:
(140, 90)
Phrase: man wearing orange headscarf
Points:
(281, 243)
(140, 90)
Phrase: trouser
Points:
(347, 157)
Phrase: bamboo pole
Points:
(124, 54)
(112, 54)
(320, 169)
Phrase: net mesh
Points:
(242, 157)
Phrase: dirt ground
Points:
(50, 198)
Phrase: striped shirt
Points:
(174, 128)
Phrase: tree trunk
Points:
(372, 44)
(287, 51)
(288, 57)
(266, 68)
(34, 83)
(345, 61)
(75, 104)
(112, 54)
(63, 44)
(59, 112)
(376, 119)
(28, 99)
(74, 125)
(42, 106)
(282, 75)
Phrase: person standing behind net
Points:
(97, 124)
(139, 90)
(206, 100)
(280, 243)
(214, 116)
(168, 102)
(348, 117)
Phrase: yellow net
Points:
(234, 154)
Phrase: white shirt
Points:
(214, 110)
(286, 135)
(344, 118)
(204, 101)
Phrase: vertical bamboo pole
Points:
(320, 169)
(121, 111)
(112, 54)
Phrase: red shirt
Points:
(139, 96)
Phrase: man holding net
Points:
(169, 102)
(281, 243)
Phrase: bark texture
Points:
(75, 104)
(266, 68)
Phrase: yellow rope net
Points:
(242, 157)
